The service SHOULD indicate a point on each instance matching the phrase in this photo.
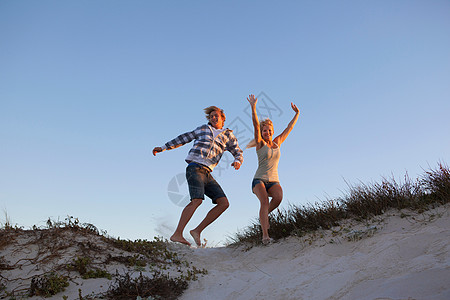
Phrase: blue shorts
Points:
(267, 184)
(201, 183)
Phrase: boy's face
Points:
(216, 119)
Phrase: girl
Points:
(265, 182)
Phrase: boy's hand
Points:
(157, 150)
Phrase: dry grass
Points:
(361, 202)
(54, 257)
(65, 251)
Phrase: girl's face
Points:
(267, 133)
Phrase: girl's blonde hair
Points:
(265, 122)
(210, 109)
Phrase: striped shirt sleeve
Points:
(234, 149)
(181, 140)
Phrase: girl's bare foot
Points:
(267, 241)
(196, 237)
(179, 239)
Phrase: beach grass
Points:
(77, 250)
(93, 259)
(361, 202)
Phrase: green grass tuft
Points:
(48, 285)
(159, 286)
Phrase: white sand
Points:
(402, 259)
(390, 258)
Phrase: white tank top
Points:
(268, 159)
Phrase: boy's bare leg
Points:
(186, 215)
(213, 214)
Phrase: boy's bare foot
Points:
(196, 237)
(179, 239)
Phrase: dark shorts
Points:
(201, 183)
(267, 184)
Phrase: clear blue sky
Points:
(88, 88)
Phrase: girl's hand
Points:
(295, 108)
(252, 99)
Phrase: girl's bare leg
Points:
(276, 192)
(260, 191)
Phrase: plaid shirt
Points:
(208, 150)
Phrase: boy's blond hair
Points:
(210, 109)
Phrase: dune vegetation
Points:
(46, 261)
(52, 260)
(360, 202)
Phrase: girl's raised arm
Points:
(252, 100)
(282, 137)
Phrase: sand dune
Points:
(390, 258)
(400, 255)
